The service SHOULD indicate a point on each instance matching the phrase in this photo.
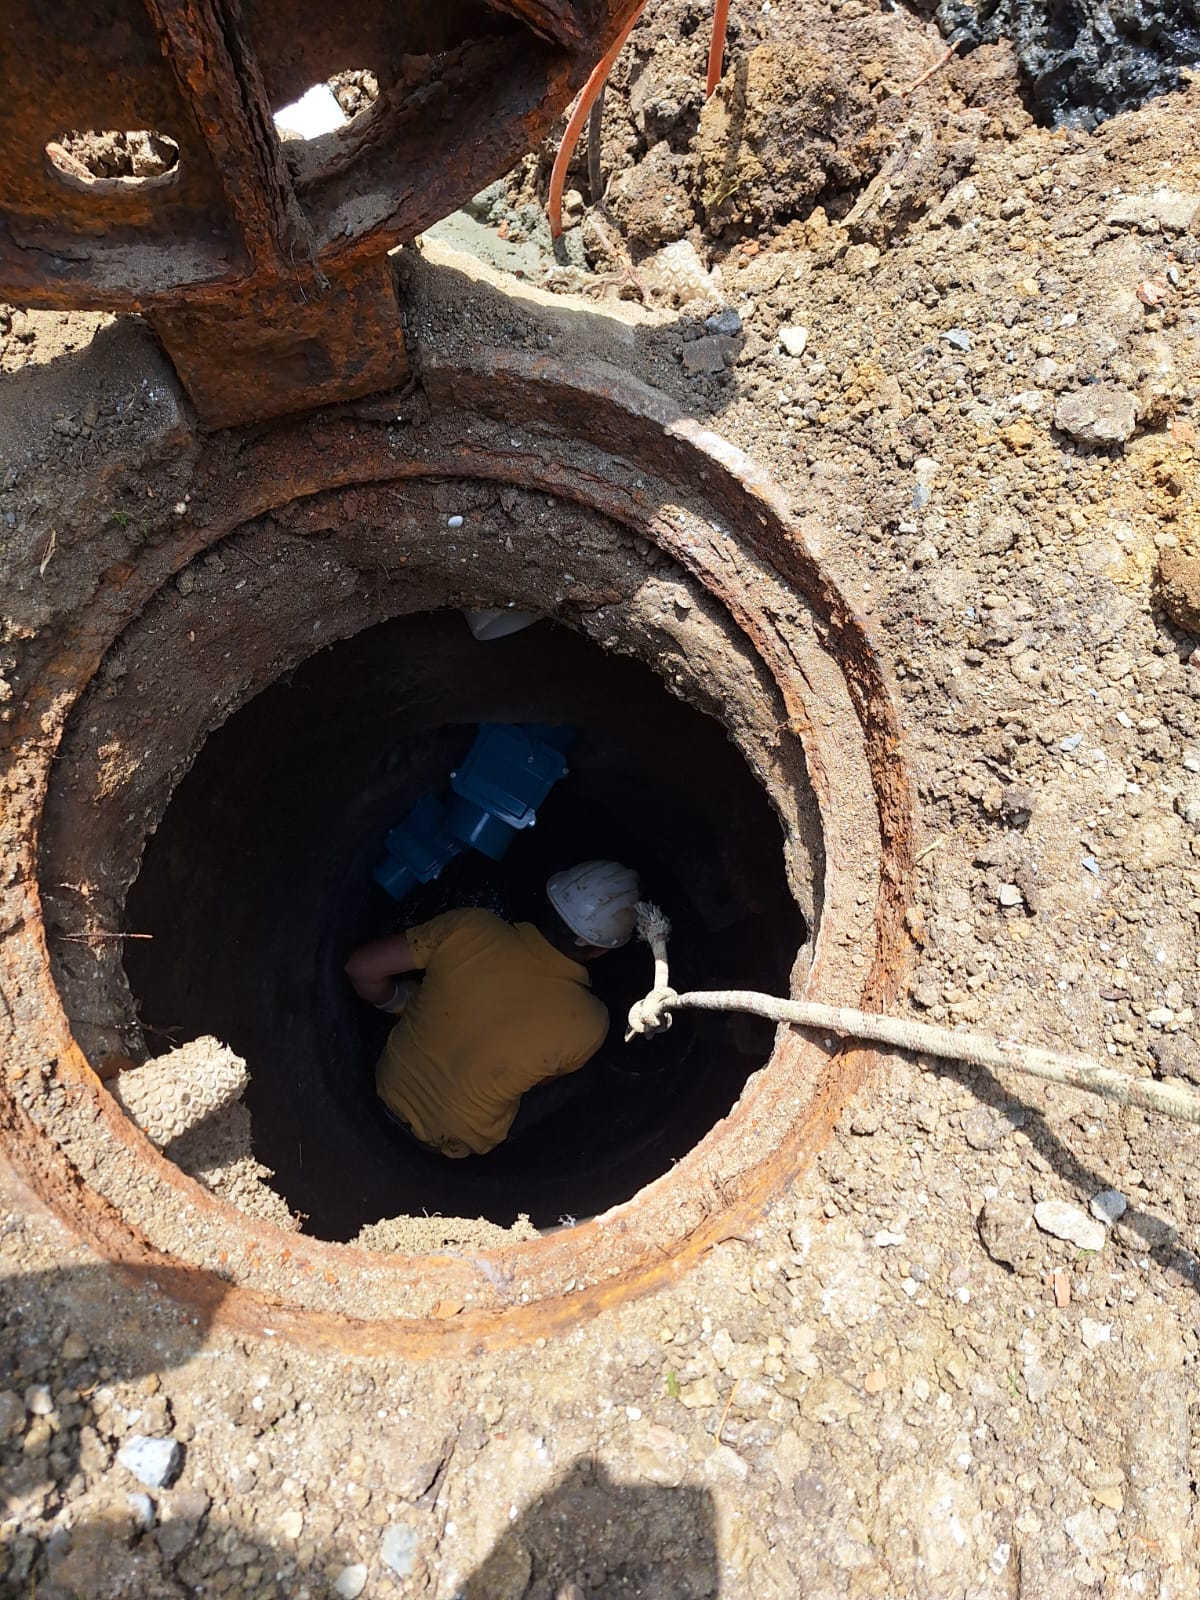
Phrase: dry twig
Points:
(929, 72)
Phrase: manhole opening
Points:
(676, 580)
(258, 882)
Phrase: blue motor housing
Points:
(418, 849)
(496, 792)
(509, 772)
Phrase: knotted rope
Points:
(653, 1014)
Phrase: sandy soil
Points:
(898, 1384)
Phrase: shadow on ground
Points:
(77, 1524)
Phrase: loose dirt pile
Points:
(912, 1379)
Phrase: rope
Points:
(653, 1014)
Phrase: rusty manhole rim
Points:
(670, 1223)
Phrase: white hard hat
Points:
(597, 900)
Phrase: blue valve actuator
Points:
(495, 793)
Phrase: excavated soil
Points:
(896, 1383)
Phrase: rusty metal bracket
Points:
(260, 261)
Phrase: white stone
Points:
(1066, 1221)
(399, 1550)
(1094, 1333)
(154, 1462)
(143, 1509)
(38, 1400)
(350, 1581)
(794, 340)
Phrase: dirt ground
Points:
(966, 346)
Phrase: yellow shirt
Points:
(498, 1011)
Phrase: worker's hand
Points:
(401, 997)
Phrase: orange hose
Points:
(579, 116)
(716, 50)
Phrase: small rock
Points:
(924, 1116)
(705, 355)
(74, 1348)
(290, 1525)
(12, 1413)
(726, 322)
(154, 1462)
(1108, 1205)
(1101, 414)
(143, 1510)
(829, 1400)
(701, 1393)
(985, 1128)
(1086, 1532)
(399, 1550)
(660, 1456)
(1068, 1222)
(350, 1581)
(925, 554)
(1172, 210)
(1009, 895)
(1094, 1333)
(182, 1517)
(1179, 588)
(865, 1120)
(794, 340)
(1006, 1232)
(959, 338)
(39, 1402)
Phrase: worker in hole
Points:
(502, 1009)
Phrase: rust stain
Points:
(671, 1225)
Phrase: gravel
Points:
(985, 1408)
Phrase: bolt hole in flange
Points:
(111, 162)
(328, 106)
(668, 563)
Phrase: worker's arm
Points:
(374, 968)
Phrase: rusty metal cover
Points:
(259, 260)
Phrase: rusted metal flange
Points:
(262, 263)
(588, 436)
